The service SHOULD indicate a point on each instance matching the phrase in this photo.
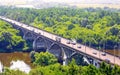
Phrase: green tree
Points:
(44, 59)
(13, 72)
(32, 53)
(9, 39)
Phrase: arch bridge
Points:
(61, 47)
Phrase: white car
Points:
(94, 52)
(68, 42)
(73, 42)
(58, 39)
(103, 54)
(79, 46)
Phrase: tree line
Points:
(10, 40)
(94, 27)
(46, 64)
(90, 26)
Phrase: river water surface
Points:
(6, 58)
(16, 60)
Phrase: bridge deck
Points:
(83, 49)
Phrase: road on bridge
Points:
(84, 49)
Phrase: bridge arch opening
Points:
(28, 36)
(57, 50)
(39, 44)
(21, 31)
(79, 58)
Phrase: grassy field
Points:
(117, 6)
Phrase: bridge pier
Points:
(86, 60)
(96, 63)
(21, 31)
(28, 36)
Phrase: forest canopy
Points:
(9, 39)
(94, 27)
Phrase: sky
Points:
(65, 1)
(84, 1)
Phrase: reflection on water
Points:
(1, 67)
(6, 58)
(17, 60)
(20, 65)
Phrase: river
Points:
(6, 58)
(13, 59)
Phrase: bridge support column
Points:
(65, 61)
(96, 63)
(28, 36)
(85, 59)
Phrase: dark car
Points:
(68, 42)
(103, 54)
(107, 60)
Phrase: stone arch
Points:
(80, 58)
(28, 36)
(21, 31)
(58, 51)
(39, 44)
(15, 26)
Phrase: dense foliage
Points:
(44, 59)
(70, 69)
(92, 26)
(9, 39)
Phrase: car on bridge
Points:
(79, 46)
(58, 39)
(68, 42)
(73, 42)
(107, 60)
(103, 54)
(94, 52)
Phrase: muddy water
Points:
(6, 58)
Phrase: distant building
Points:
(25, 6)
